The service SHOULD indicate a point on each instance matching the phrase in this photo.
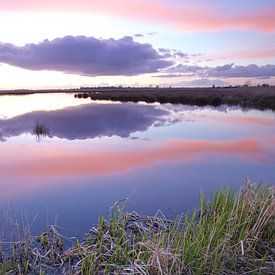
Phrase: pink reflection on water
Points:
(41, 164)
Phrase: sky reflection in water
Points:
(160, 155)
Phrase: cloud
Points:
(180, 54)
(225, 71)
(170, 75)
(255, 54)
(182, 15)
(164, 51)
(86, 56)
(248, 54)
(203, 82)
(142, 35)
(185, 69)
(104, 119)
(231, 71)
(173, 53)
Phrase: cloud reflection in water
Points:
(86, 121)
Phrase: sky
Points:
(178, 43)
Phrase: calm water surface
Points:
(161, 156)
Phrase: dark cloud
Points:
(86, 56)
(139, 35)
(185, 69)
(86, 121)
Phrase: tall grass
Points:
(231, 233)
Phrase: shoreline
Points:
(231, 232)
(247, 97)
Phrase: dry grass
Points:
(247, 97)
(231, 233)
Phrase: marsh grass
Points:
(247, 97)
(231, 233)
(40, 131)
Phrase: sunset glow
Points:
(161, 34)
(116, 116)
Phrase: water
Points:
(161, 156)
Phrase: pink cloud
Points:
(182, 16)
(254, 54)
(248, 54)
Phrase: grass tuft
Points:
(40, 131)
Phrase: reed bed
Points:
(230, 233)
(40, 131)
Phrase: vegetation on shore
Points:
(247, 97)
(259, 97)
(231, 233)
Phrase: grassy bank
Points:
(247, 97)
(258, 97)
(230, 233)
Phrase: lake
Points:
(96, 153)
